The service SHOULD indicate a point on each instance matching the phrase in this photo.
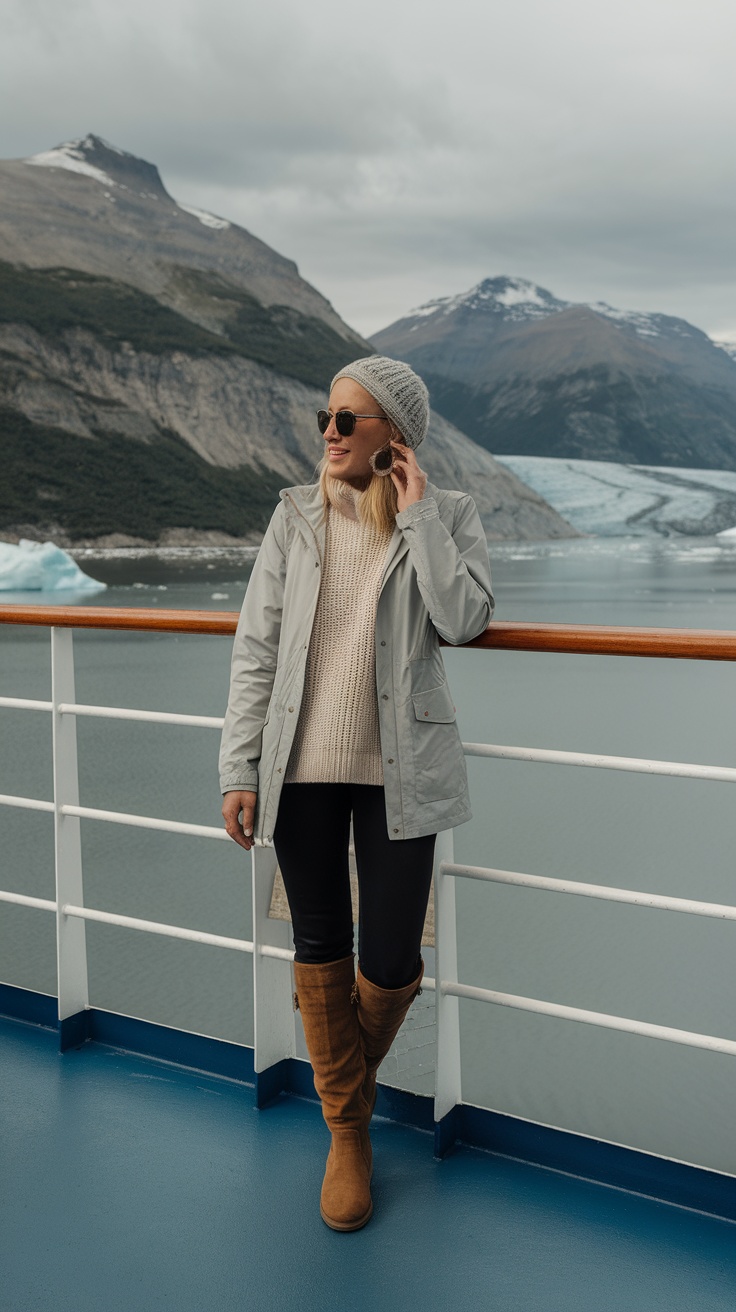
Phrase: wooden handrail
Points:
(508, 635)
(123, 617)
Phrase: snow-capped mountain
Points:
(516, 300)
(525, 372)
(88, 205)
(91, 156)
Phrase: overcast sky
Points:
(405, 149)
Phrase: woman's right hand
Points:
(241, 830)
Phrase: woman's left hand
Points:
(409, 480)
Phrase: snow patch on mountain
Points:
(725, 344)
(520, 292)
(71, 155)
(643, 324)
(605, 499)
(209, 220)
(423, 311)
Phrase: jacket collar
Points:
(308, 500)
(304, 502)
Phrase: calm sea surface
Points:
(673, 836)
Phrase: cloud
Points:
(407, 150)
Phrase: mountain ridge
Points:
(112, 216)
(526, 373)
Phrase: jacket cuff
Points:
(418, 510)
(238, 786)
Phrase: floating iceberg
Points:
(41, 567)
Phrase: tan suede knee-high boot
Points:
(324, 996)
(381, 1013)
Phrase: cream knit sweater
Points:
(337, 738)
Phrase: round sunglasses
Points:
(345, 421)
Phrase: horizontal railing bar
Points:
(156, 927)
(25, 704)
(145, 822)
(549, 883)
(688, 1038)
(26, 803)
(632, 764)
(155, 717)
(134, 618)
(512, 635)
(609, 640)
(280, 954)
(22, 900)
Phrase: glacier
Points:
(602, 498)
(42, 567)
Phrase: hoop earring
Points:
(382, 461)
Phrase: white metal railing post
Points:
(273, 1008)
(448, 1085)
(71, 942)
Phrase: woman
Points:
(339, 706)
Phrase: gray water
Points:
(671, 836)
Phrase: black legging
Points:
(311, 841)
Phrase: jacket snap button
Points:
(278, 770)
(385, 696)
(291, 708)
(396, 831)
(426, 712)
(383, 644)
(390, 760)
(316, 564)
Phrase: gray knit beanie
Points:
(397, 389)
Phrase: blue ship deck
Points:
(129, 1182)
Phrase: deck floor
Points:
(127, 1184)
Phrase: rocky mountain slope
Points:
(160, 367)
(102, 440)
(525, 373)
(89, 206)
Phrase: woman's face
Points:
(348, 456)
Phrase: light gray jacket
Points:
(436, 581)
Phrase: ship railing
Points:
(274, 1020)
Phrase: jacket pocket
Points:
(439, 762)
(434, 704)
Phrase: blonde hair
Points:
(377, 503)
